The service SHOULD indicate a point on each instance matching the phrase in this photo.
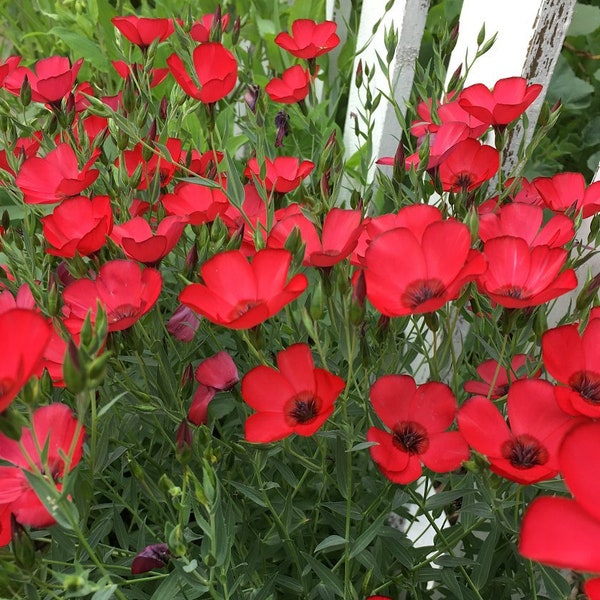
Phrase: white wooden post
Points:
(408, 18)
(529, 37)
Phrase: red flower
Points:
(496, 379)
(309, 39)
(55, 177)
(53, 79)
(468, 164)
(196, 203)
(564, 532)
(283, 174)
(200, 31)
(164, 166)
(525, 221)
(291, 88)
(198, 411)
(23, 148)
(25, 335)
(155, 556)
(527, 452)
(7, 67)
(141, 242)
(123, 288)
(567, 191)
(142, 31)
(216, 70)
(418, 417)
(507, 101)
(296, 398)
(519, 276)
(574, 361)
(78, 225)
(53, 428)
(441, 143)
(5, 525)
(413, 271)
(157, 76)
(218, 372)
(339, 236)
(240, 295)
(53, 359)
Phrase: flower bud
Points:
(358, 78)
(183, 442)
(25, 92)
(155, 556)
(218, 372)
(183, 324)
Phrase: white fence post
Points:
(408, 18)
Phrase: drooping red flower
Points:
(294, 398)
(418, 418)
(496, 379)
(183, 324)
(142, 31)
(53, 427)
(198, 411)
(309, 39)
(154, 556)
(291, 87)
(567, 191)
(574, 361)
(564, 532)
(216, 71)
(339, 236)
(55, 177)
(157, 76)
(507, 101)
(146, 244)
(238, 294)
(78, 225)
(283, 174)
(200, 31)
(416, 270)
(218, 372)
(519, 276)
(123, 288)
(468, 164)
(25, 335)
(51, 80)
(525, 221)
(197, 204)
(527, 451)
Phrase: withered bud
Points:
(251, 96)
(282, 123)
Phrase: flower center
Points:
(242, 307)
(124, 311)
(512, 291)
(421, 290)
(588, 386)
(524, 452)
(410, 437)
(302, 409)
(463, 180)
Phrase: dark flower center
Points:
(511, 291)
(463, 180)
(421, 290)
(410, 437)
(302, 409)
(588, 386)
(524, 452)
(242, 307)
(124, 311)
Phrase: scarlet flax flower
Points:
(416, 270)
(53, 427)
(196, 203)
(294, 398)
(507, 101)
(78, 225)
(568, 192)
(283, 174)
(291, 87)
(215, 69)
(25, 335)
(564, 532)
(309, 39)
(527, 451)
(142, 31)
(56, 176)
(574, 361)
(238, 294)
(123, 288)
(418, 418)
(519, 276)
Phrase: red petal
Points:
(265, 427)
(482, 425)
(391, 397)
(297, 366)
(446, 451)
(266, 389)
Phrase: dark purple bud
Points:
(251, 96)
(163, 108)
(183, 324)
(155, 556)
(282, 124)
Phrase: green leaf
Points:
(249, 492)
(361, 446)
(586, 19)
(575, 93)
(330, 542)
(366, 537)
(481, 571)
(60, 508)
(83, 47)
(331, 581)
(105, 593)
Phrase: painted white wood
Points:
(408, 18)
(529, 37)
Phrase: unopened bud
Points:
(183, 442)
(358, 78)
(235, 34)
(25, 92)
